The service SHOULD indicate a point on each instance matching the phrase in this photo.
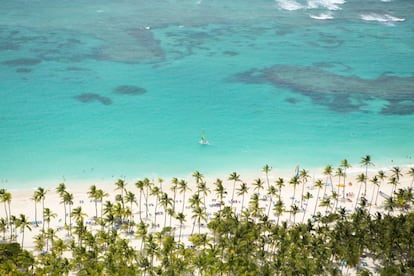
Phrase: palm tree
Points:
(61, 190)
(203, 189)
(47, 216)
(77, 214)
(130, 198)
(3, 227)
(280, 183)
(174, 188)
(328, 171)
(68, 200)
(2, 192)
(306, 197)
(165, 201)
(396, 172)
(258, 185)
(278, 209)
(366, 161)
(374, 181)
(381, 175)
(326, 202)
(411, 173)
(142, 231)
(92, 195)
(140, 186)
(266, 169)
(254, 207)
(318, 184)
(361, 180)
(235, 178)
(181, 218)
(160, 181)
(242, 191)
(183, 187)
(198, 215)
(6, 197)
(155, 191)
(340, 173)
(23, 224)
(220, 191)
(40, 195)
(99, 195)
(344, 165)
(294, 209)
(198, 177)
(271, 192)
(335, 197)
(394, 182)
(295, 182)
(120, 185)
(304, 176)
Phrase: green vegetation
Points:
(227, 242)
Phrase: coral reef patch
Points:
(93, 97)
(340, 93)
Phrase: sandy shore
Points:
(22, 202)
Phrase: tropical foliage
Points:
(124, 237)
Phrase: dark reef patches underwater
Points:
(120, 90)
(338, 92)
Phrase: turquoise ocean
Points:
(107, 89)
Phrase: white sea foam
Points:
(331, 5)
(289, 5)
(322, 16)
(382, 18)
(292, 5)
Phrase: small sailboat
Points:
(203, 140)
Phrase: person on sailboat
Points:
(203, 140)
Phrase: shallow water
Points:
(104, 90)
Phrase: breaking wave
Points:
(291, 5)
(322, 16)
(381, 18)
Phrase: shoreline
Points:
(246, 175)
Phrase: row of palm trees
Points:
(230, 240)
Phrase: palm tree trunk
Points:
(155, 212)
(316, 204)
(270, 206)
(376, 197)
(146, 203)
(43, 215)
(64, 208)
(36, 215)
(357, 198)
(7, 216)
(22, 237)
(304, 212)
(70, 219)
(372, 198)
(182, 211)
(192, 230)
(140, 202)
(232, 195)
(96, 209)
(179, 235)
(294, 194)
(343, 190)
(301, 196)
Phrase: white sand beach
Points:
(307, 197)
